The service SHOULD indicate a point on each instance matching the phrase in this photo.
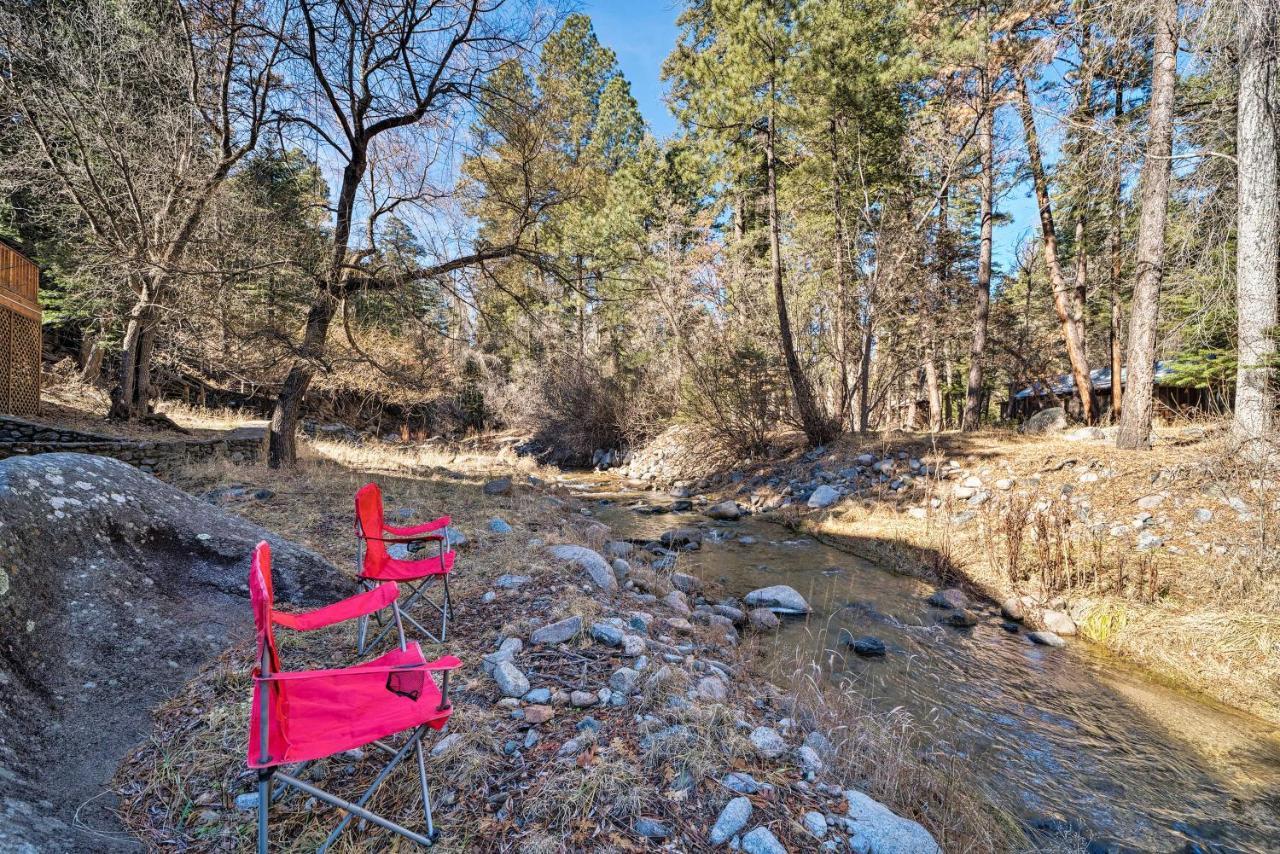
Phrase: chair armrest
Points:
(446, 663)
(360, 605)
(417, 530)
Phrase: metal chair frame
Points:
(419, 591)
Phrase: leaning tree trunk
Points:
(282, 446)
(129, 396)
(1257, 244)
(1135, 420)
(982, 288)
(282, 439)
(1063, 293)
(812, 420)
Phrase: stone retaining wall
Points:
(20, 438)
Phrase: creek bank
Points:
(1148, 537)
(588, 710)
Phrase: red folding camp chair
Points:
(375, 564)
(304, 715)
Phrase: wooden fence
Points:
(19, 334)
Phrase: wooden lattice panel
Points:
(19, 334)
(20, 356)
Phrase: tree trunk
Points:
(1117, 266)
(1063, 293)
(1257, 245)
(913, 396)
(864, 367)
(1135, 420)
(933, 392)
(1079, 295)
(282, 448)
(982, 288)
(129, 396)
(282, 445)
(92, 351)
(844, 392)
(814, 424)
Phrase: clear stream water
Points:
(1069, 733)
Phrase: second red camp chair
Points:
(304, 715)
(375, 564)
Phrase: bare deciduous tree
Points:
(373, 70)
(131, 116)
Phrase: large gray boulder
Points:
(114, 589)
(879, 830)
(823, 496)
(1046, 421)
(596, 567)
(727, 511)
(780, 599)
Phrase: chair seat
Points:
(398, 569)
(322, 712)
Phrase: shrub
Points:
(732, 395)
(569, 409)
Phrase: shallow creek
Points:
(1067, 733)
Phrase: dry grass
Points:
(178, 790)
(1204, 614)
(180, 787)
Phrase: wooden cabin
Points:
(1170, 401)
(19, 333)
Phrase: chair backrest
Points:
(369, 521)
(262, 597)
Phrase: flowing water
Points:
(1068, 733)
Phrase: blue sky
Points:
(642, 33)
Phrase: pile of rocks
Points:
(828, 482)
(646, 669)
(669, 459)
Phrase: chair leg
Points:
(356, 809)
(362, 625)
(264, 807)
(445, 611)
(353, 810)
(426, 793)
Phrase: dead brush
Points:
(658, 687)
(1004, 533)
(604, 787)
(1054, 547)
(471, 756)
(718, 742)
(651, 582)
(701, 742)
